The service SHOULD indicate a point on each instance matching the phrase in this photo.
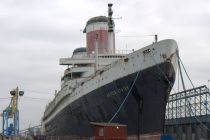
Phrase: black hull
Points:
(143, 111)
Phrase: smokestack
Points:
(104, 27)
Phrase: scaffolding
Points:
(188, 107)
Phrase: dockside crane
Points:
(10, 115)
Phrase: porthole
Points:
(126, 60)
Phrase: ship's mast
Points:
(96, 54)
(111, 39)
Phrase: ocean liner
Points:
(101, 85)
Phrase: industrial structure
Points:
(188, 114)
(10, 115)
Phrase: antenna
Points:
(141, 36)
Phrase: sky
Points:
(34, 34)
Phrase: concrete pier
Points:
(188, 132)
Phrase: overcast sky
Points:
(34, 34)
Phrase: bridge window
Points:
(76, 75)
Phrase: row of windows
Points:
(118, 56)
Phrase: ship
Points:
(101, 84)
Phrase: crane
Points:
(10, 115)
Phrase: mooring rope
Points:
(175, 92)
(126, 97)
